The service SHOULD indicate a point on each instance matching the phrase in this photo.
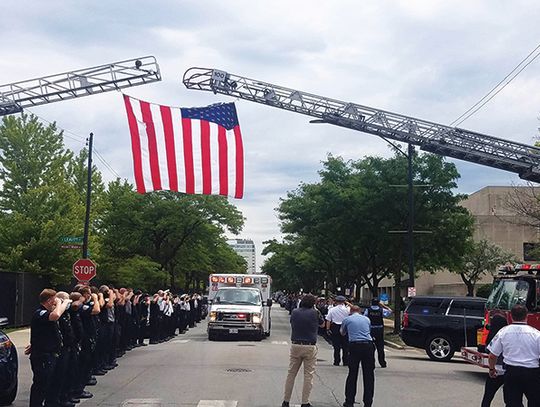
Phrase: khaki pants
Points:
(306, 354)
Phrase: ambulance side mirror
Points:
(269, 302)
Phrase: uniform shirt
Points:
(519, 343)
(305, 324)
(357, 327)
(45, 336)
(338, 313)
(88, 320)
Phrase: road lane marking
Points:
(181, 341)
(142, 403)
(217, 403)
(280, 343)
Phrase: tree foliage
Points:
(482, 258)
(339, 229)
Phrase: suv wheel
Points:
(440, 348)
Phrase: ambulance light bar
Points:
(239, 280)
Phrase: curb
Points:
(393, 345)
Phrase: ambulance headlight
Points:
(213, 316)
(256, 318)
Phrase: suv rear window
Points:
(467, 308)
(424, 306)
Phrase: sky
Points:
(428, 59)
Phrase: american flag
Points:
(192, 150)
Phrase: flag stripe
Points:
(239, 192)
(223, 161)
(152, 145)
(166, 117)
(188, 156)
(135, 146)
(205, 158)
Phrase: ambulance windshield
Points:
(238, 296)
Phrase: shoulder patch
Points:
(42, 312)
(85, 307)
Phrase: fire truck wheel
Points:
(439, 347)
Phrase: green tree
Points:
(177, 231)
(346, 218)
(483, 258)
(38, 202)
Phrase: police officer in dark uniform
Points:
(376, 312)
(61, 388)
(45, 346)
(88, 311)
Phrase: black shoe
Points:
(85, 395)
(66, 403)
(100, 372)
(348, 404)
(143, 344)
(285, 404)
(92, 382)
(383, 365)
(75, 400)
(306, 405)
(336, 364)
(154, 342)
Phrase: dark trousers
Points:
(87, 361)
(43, 366)
(519, 381)
(490, 389)
(378, 337)
(363, 353)
(340, 344)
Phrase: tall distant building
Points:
(246, 249)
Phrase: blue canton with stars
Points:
(223, 114)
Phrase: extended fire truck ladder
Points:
(432, 137)
(14, 97)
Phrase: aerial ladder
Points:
(432, 137)
(15, 97)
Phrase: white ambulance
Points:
(239, 304)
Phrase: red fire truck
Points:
(519, 284)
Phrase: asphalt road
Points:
(191, 371)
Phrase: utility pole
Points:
(88, 198)
(410, 237)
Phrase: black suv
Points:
(438, 324)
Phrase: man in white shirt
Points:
(519, 344)
(334, 318)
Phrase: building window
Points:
(531, 251)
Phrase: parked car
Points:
(8, 367)
(442, 325)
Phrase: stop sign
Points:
(84, 270)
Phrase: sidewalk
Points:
(389, 323)
(20, 337)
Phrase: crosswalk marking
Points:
(181, 341)
(142, 403)
(217, 403)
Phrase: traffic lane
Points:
(189, 369)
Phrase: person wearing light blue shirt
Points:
(361, 350)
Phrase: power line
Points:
(498, 87)
(81, 139)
